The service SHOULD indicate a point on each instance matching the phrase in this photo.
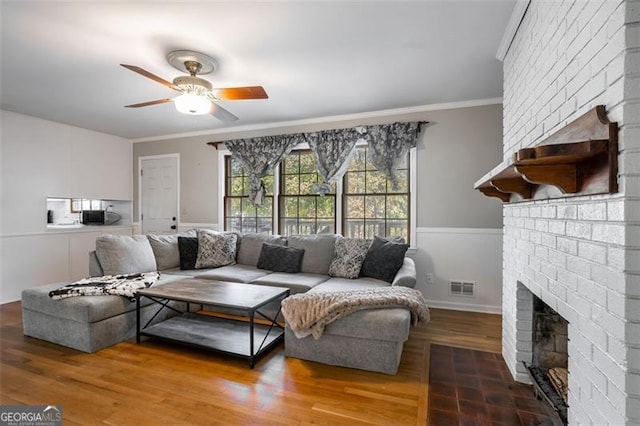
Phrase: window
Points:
(371, 205)
(363, 205)
(302, 211)
(240, 215)
(79, 204)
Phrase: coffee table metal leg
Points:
(251, 354)
(137, 319)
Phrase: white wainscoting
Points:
(186, 226)
(182, 227)
(460, 254)
(33, 259)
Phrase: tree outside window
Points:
(302, 211)
(371, 205)
(240, 214)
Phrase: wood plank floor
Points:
(160, 383)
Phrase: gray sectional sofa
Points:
(370, 340)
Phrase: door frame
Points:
(158, 157)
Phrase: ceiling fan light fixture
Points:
(192, 104)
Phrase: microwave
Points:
(92, 217)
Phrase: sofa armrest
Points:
(406, 276)
(95, 269)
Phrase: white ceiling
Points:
(60, 60)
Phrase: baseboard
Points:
(468, 307)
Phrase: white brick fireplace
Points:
(580, 255)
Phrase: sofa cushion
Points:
(383, 260)
(215, 249)
(188, 252)
(251, 245)
(297, 283)
(280, 258)
(166, 250)
(235, 273)
(125, 254)
(318, 251)
(345, 284)
(348, 257)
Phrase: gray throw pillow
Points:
(216, 249)
(188, 247)
(125, 254)
(384, 259)
(279, 258)
(166, 250)
(348, 258)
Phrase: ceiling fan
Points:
(197, 94)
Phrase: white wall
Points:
(579, 254)
(43, 159)
(460, 254)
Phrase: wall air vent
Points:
(461, 288)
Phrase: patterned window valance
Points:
(389, 145)
(259, 156)
(332, 150)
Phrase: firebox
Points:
(549, 367)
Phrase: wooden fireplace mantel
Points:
(579, 159)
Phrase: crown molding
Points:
(329, 119)
(519, 9)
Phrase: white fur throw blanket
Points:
(119, 285)
(309, 313)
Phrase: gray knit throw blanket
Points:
(309, 313)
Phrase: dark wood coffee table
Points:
(227, 335)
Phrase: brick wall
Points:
(579, 255)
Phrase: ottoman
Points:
(367, 340)
(85, 323)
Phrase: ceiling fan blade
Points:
(238, 93)
(222, 114)
(151, 76)
(144, 104)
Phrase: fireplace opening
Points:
(549, 369)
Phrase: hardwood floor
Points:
(160, 383)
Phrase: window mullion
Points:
(275, 211)
(339, 212)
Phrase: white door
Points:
(159, 194)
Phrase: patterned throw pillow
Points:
(348, 257)
(216, 249)
(277, 258)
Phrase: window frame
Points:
(222, 153)
(227, 178)
(408, 194)
(282, 195)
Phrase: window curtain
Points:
(259, 156)
(389, 145)
(332, 150)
